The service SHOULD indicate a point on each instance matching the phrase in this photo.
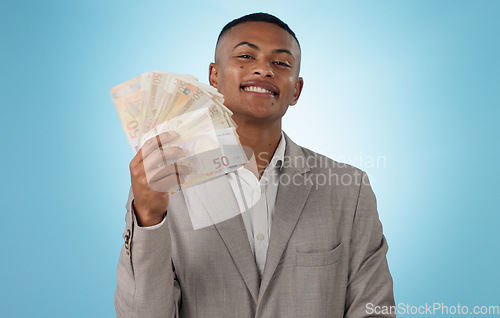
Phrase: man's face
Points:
(256, 69)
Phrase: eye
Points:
(280, 63)
(245, 56)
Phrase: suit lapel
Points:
(222, 210)
(290, 201)
(218, 198)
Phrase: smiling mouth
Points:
(257, 89)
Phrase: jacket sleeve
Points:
(369, 289)
(146, 284)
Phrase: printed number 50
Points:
(222, 161)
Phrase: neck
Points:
(259, 140)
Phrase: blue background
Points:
(413, 85)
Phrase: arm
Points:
(146, 285)
(369, 282)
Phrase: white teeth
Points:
(256, 89)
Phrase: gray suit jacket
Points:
(326, 255)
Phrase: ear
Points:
(298, 89)
(212, 75)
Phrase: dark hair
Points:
(257, 17)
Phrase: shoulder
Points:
(309, 160)
(317, 161)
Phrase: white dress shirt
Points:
(256, 200)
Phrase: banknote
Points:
(208, 162)
(127, 98)
(208, 156)
(158, 102)
(153, 85)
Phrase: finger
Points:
(162, 158)
(136, 160)
(165, 181)
(158, 141)
(163, 172)
(167, 184)
(167, 155)
(159, 172)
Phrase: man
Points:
(305, 248)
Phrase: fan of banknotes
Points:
(157, 102)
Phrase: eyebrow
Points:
(253, 46)
(284, 51)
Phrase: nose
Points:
(263, 68)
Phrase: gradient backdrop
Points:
(406, 90)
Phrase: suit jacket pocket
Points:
(316, 259)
